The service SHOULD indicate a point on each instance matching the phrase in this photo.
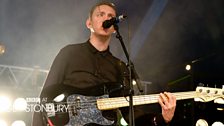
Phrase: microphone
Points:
(113, 21)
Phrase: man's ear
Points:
(88, 23)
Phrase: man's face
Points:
(100, 14)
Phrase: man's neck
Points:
(100, 43)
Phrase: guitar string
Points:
(152, 96)
(138, 98)
(155, 97)
(121, 99)
(142, 96)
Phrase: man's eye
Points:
(111, 16)
(100, 14)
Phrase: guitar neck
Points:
(112, 103)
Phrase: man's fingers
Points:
(162, 104)
(167, 100)
(164, 97)
(171, 97)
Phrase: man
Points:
(89, 69)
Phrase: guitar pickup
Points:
(75, 106)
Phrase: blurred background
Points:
(162, 37)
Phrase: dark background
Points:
(162, 36)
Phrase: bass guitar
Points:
(86, 110)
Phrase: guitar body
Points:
(83, 111)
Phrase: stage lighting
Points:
(217, 124)
(5, 104)
(18, 123)
(59, 98)
(201, 122)
(188, 67)
(20, 104)
(2, 49)
(219, 101)
(134, 82)
(2, 123)
(123, 122)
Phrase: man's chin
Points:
(105, 34)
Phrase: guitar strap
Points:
(46, 121)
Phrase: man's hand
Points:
(168, 103)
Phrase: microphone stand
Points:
(132, 74)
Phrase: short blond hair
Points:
(102, 3)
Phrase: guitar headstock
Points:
(206, 94)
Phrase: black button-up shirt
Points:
(84, 69)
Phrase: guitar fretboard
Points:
(112, 103)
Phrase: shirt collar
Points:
(94, 50)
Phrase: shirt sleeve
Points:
(52, 84)
(56, 75)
